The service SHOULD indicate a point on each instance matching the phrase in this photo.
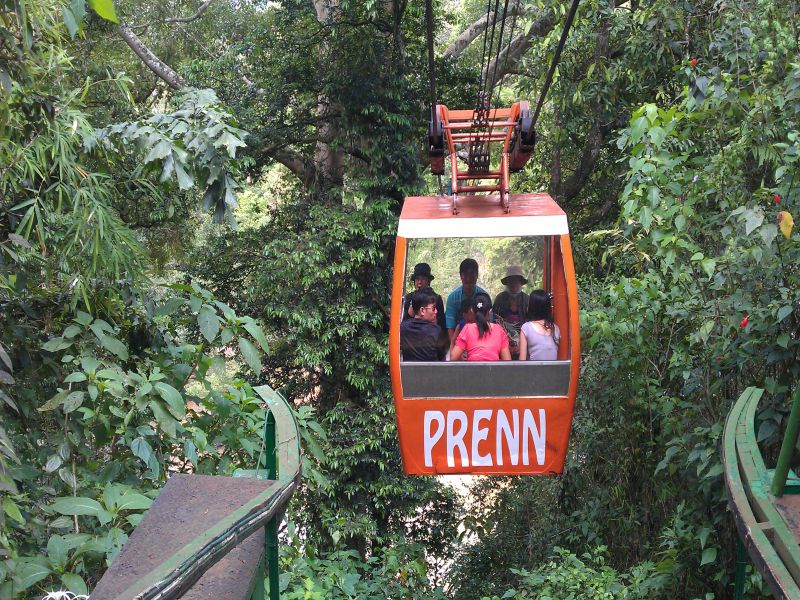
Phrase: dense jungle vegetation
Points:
(198, 197)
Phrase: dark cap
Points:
(422, 270)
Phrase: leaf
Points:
(250, 354)
(54, 402)
(72, 331)
(67, 477)
(73, 401)
(161, 150)
(7, 399)
(56, 344)
(83, 318)
(231, 142)
(12, 510)
(165, 420)
(173, 398)
(6, 378)
(783, 340)
(6, 358)
(69, 21)
(783, 312)
(78, 8)
(53, 463)
(753, 218)
(195, 303)
(709, 556)
(169, 307)
(208, 321)
(75, 584)
(134, 501)
(75, 377)
(73, 506)
(258, 334)
(703, 536)
(104, 8)
(57, 551)
(185, 181)
(142, 449)
(31, 571)
(113, 345)
(785, 223)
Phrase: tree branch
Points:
(295, 162)
(194, 17)
(462, 42)
(151, 61)
(510, 56)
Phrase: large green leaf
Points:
(75, 584)
(258, 334)
(114, 346)
(104, 8)
(69, 505)
(134, 501)
(208, 321)
(31, 571)
(250, 354)
(173, 398)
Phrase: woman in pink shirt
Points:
(481, 340)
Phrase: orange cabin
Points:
(489, 418)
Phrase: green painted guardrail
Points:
(763, 531)
(175, 575)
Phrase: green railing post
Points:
(787, 447)
(271, 529)
(741, 567)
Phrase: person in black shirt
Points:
(422, 278)
(421, 338)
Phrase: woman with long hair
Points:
(481, 340)
(539, 337)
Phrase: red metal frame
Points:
(458, 126)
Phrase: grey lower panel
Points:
(504, 379)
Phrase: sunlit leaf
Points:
(104, 8)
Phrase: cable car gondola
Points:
(499, 417)
(503, 417)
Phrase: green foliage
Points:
(393, 573)
(588, 577)
(127, 403)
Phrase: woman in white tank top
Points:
(539, 337)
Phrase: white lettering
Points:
(478, 435)
(512, 436)
(539, 436)
(431, 439)
(456, 439)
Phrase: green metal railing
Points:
(282, 457)
(752, 487)
(177, 573)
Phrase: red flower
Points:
(694, 62)
(777, 198)
(744, 322)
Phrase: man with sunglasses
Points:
(421, 338)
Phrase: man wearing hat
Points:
(421, 278)
(511, 306)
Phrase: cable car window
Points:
(501, 263)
